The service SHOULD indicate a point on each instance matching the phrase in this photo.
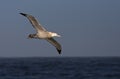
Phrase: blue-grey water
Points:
(60, 68)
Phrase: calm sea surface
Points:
(60, 68)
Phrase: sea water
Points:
(60, 68)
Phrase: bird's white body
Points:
(44, 35)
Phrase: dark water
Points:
(60, 68)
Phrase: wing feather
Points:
(34, 22)
(55, 43)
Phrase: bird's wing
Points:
(55, 43)
(34, 22)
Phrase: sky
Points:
(87, 27)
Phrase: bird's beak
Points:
(58, 36)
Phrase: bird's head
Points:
(54, 34)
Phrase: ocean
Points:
(60, 68)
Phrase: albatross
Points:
(42, 33)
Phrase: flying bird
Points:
(42, 33)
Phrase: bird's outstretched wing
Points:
(34, 22)
(55, 43)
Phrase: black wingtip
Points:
(23, 14)
(59, 51)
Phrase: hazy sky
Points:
(87, 27)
